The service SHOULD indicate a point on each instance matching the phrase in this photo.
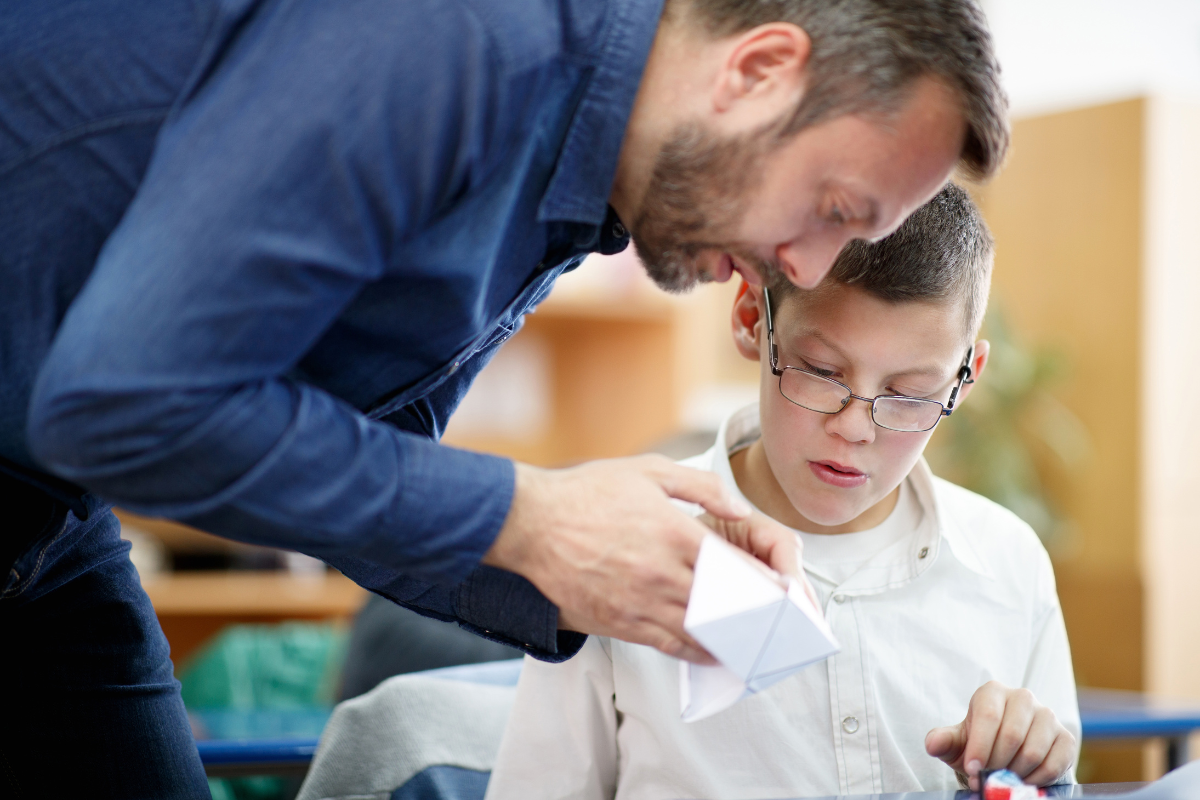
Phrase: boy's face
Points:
(834, 468)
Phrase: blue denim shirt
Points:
(330, 216)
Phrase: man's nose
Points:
(807, 262)
(853, 423)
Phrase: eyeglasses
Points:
(826, 396)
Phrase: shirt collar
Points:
(742, 428)
(582, 181)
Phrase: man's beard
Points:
(695, 201)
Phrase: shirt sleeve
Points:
(490, 603)
(277, 189)
(1050, 674)
(561, 739)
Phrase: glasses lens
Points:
(812, 391)
(904, 414)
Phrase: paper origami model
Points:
(759, 631)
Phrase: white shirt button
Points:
(850, 724)
(839, 598)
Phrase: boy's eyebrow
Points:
(930, 370)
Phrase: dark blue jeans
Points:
(89, 706)
(88, 698)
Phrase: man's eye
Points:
(836, 216)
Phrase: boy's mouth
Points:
(836, 474)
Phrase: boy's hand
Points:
(605, 544)
(1005, 729)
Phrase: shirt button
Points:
(454, 368)
(924, 552)
(850, 724)
(839, 598)
(618, 230)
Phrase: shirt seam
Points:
(87, 130)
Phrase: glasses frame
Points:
(964, 378)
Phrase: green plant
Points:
(1012, 434)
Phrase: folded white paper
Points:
(759, 631)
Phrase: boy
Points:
(943, 603)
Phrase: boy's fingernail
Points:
(740, 507)
(973, 767)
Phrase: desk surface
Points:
(229, 735)
(1088, 790)
(1111, 714)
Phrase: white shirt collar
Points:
(742, 428)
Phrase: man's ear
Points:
(982, 349)
(765, 66)
(749, 325)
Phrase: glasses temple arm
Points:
(774, 351)
(964, 378)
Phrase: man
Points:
(255, 251)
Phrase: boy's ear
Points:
(982, 349)
(748, 321)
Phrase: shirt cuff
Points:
(507, 608)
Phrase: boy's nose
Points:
(853, 423)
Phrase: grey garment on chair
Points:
(388, 640)
(376, 743)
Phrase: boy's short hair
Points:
(944, 251)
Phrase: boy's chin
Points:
(831, 516)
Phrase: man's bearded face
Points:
(695, 201)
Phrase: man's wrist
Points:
(510, 549)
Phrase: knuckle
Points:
(988, 713)
(670, 646)
(1009, 739)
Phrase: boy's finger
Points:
(763, 538)
(1057, 761)
(1037, 744)
(1019, 708)
(705, 489)
(984, 716)
(946, 743)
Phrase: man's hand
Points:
(604, 543)
(1005, 729)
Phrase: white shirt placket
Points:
(854, 740)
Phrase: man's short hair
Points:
(867, 53)
(942, 253)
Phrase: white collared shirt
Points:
(965, 597)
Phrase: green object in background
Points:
(1012, 436)
(291, 665)
(257, 667)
